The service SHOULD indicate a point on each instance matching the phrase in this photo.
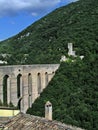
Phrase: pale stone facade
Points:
(63, 58)
(32, 80)
(70, 50)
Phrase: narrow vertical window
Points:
(39, 83)
(19, 83)
(5, 93)
(29, 90)
(46, 79)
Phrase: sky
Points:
(16, 15)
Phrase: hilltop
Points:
(46, 40)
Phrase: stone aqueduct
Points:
(24, 83)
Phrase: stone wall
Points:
(32, 79)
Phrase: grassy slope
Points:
(49, 36)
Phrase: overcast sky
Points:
(15, 15)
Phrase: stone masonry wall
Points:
(33, 79)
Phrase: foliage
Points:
(11, 105)
(46, 40)
(73, 94)
(74, 89)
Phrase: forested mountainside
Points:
(46, 40)
(74, 89)
(73, 93)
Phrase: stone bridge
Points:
(22, 84)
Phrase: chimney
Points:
(48, 110)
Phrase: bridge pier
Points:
(25, 93)
(1, 89)
(25, 83)
(14, 98)
(34, 87)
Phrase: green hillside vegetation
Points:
(73, 90)
(46, 41)
(73, 93)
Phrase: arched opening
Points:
(19, 104)
(5, 89)
(29, 90)
(46, 79)
(39, 83)
(53, 72)
(19, 85)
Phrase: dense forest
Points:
(46, 40)
(73, 90)
(73, 93)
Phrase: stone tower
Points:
(70, 50)
(48, 110)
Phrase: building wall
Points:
(8, 113)
(32, 80)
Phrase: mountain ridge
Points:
(47, 38)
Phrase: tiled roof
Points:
(30, 122)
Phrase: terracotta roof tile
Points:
(30, 122)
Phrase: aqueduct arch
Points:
(39, 83)
(30, 90)
(6, 90)
(22, 84)
(19, 85)
(46, 79)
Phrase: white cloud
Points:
(34, 14)
(10, 7)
